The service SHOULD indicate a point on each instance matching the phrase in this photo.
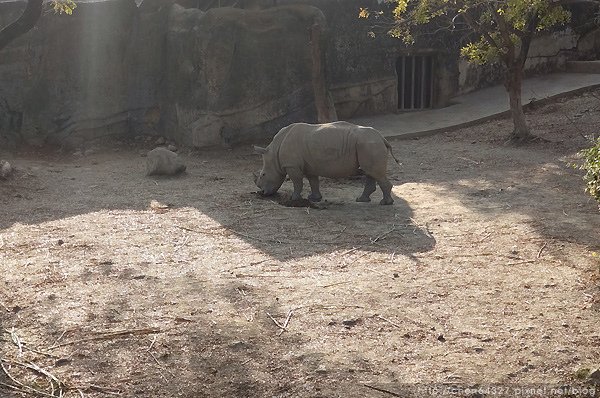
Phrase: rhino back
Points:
(327, 150)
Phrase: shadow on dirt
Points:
(219, 185)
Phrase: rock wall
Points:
(237, 73)
(223, 76)
(65, 78)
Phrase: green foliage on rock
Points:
(591, 166)
(63, 6)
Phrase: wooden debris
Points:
(108, 336)
(542, 249)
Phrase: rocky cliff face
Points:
(223, 76)
(234, 74)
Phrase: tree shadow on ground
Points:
(219, 185)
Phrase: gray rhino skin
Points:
(338, 149)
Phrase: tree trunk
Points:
(26, 21)
(514, 84)
(324, 104)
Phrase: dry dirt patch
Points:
(482, 271)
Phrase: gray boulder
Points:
(5, 169)
(161, 161)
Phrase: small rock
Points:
(348, 323)
(238, 345)
(396, 275)
(62, 362)
(321, 369)
(160, 141)
(478, 349)
(5, 169)
(441, 338)
(60, 242)
(162, 161)
(172, 148)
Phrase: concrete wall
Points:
(547, 53)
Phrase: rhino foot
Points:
(315, 197)
(386, 201)
(363, 199)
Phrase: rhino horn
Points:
(260, 150)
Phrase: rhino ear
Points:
(260, 150)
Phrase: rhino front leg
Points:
(315, 194)
(297, 178)
(370, 187)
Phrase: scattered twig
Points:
(185, 241)
(245, 298)
(542, 249)
(5, 307)
(59, 338)
(16, 340)
(485, 237)
(22, 345)
(522, 262)
(383, 235)
(105, 390)
(155, 359)
(287, 321)
(390, 322)
(107, 336)
(349, 251)
(260, 276)
(473, 255)
(279, 325)
(152, 343)
(233, 232)
(248, 265)
(54, 382)
(259, 239)
(469, 160)
(335, 284)
(20, 386)
(383, 390)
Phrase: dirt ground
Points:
(483, 271)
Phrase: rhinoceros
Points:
(338, 149)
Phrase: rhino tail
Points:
(389, 147)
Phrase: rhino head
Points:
(270, 178)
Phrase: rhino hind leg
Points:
(370, 187)
(386, 188)
(315, 194)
